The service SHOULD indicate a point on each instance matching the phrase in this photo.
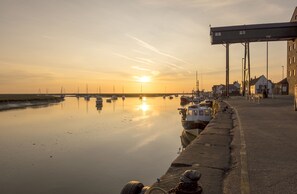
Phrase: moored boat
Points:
(114, 97)
(195, 116)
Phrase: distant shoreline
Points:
(18, 101)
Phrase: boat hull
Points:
(194, 124)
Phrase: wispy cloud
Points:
(154, 49)
(153, 72)
(132, 59)
(192, 3)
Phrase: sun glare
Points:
(144, 79)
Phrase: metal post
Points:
(267, 66)
(242, 69)
(227, 70)
(249, 67)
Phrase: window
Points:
(242, 32)
(294, 46)
(290, 73)
(290, 48)
(290, 61)
(218, 34)
(294, 59)
(294, 73)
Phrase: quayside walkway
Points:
(264, 146)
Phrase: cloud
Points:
(153, 72)
(132, 59)
(192, 3)
(154, 49)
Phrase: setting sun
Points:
(144, 79)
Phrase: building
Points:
(259, 85)
(281, 87)
(291, 59)
(234, 89)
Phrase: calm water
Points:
(72, 147)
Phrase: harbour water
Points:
(72, 147)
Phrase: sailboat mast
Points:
(197, 84)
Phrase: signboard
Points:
(295, 98)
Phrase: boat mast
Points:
(197, 85)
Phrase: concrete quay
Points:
(250, 147)
(209, 153)
(264, 148)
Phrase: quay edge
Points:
(209, 153)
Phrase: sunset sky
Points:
(49, 44)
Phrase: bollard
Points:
(188, 185)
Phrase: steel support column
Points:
(227, 70)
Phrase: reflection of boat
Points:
(195, 116)
(108, 100)
(187, 136)
(99, 101)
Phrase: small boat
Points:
(140, 97)
(87, 97)
(164, 96)
(185, 99)
(176, 95)
(196, 99)
(170, 97)
(123, 97)
(114, 97)
(195, 116)
(108, 100)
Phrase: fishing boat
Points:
(195, 116)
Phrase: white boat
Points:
(195, 116)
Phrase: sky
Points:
(121, 45)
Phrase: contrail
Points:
(154, 49)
